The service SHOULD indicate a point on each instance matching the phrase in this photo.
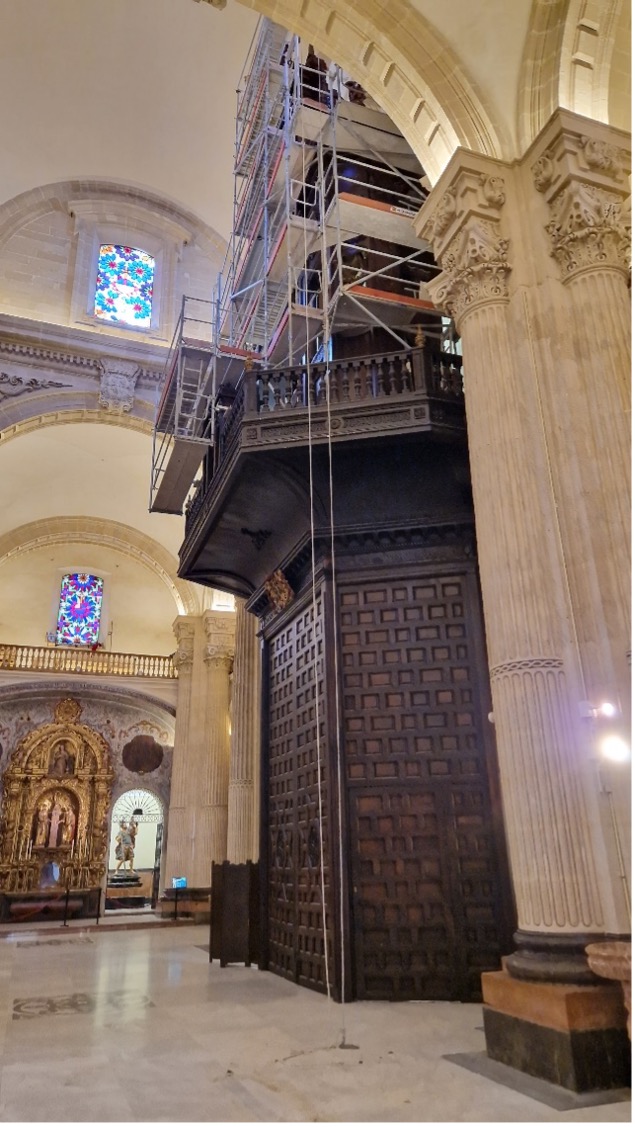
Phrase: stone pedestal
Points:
(613, 961)
(573, 1036)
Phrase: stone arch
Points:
(120, 537)
(569, 61)
(407, 66)
(107, 195)
(61, 414)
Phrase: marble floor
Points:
(136, 1026)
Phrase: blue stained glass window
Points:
(79, 615)
(125, 277)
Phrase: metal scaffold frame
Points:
(325, 191)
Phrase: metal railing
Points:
(49, 659)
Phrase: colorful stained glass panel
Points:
(125, 277)
(79, 615)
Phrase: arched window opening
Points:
(125, 279)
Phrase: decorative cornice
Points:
(26, 352)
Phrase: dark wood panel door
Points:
(425, 888)
(298, 868)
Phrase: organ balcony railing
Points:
(362, 396)
(49, 659)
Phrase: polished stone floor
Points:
(133, 1026)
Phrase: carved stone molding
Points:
(118, 382)
(525, 665)
(11, 386)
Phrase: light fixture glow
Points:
(607, 709)
(615, 748)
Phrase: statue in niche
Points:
(61, 762)
(124, 850)
(68, 829)
(43, 823)
(57, 823)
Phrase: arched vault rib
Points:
(406, 65)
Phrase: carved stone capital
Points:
(219, 632)
(218, 657)
(582, 175)
(589, 228)
(184, 633)
(117, 388)
(475, 270)
(463, 228)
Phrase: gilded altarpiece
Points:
(56, 796)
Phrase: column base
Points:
(570, 1035)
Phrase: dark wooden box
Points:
(235, 923)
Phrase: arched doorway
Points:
(134, 872)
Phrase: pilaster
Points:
(242, 836)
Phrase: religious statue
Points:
(68, 830)
(57, 817)
(62, 764)
(124, 850)
(43, 822)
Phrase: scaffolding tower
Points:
(322, 251)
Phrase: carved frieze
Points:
(11, 386)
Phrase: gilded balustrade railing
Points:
(55, 659)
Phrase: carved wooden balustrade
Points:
(48, 659)
(363, 395)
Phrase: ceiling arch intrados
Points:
(121, 538)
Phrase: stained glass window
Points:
(125, 276)
(80, 610)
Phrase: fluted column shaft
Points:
(242, 832)
(179, 844)
(554, 638)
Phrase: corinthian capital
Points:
(462, 222)
(589, 228)
(581, 172)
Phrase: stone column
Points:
(213, 782)
(197, 823)
(242, 835)
(499, 283)
(179, 839)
